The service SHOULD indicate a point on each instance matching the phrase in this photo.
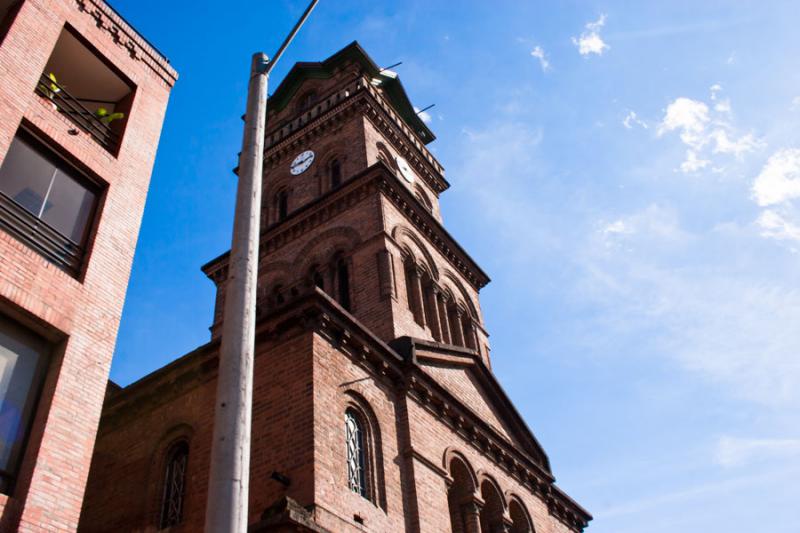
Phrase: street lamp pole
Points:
(228, 484)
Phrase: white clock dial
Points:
(405, 170)
(301, 162)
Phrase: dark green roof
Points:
(353, 52)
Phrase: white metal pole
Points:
(229, 475)
(228, 484)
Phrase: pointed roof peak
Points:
(388, 80)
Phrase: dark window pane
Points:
(23, 359)
(25, 176)
(283, 205)
(336, 174)
(69, 207)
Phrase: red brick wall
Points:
(84, 314)
(127, 474)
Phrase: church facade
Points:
(374, 404)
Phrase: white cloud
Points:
(538, 53)
(779, 180)
(617, 227)
(795, 103)
(776, 226)
(738, 147)
(693, 163)
(716, 88)
(690, 117)
(589, 41)
(425, 116)
(723, 106)
(736, 451)
(702, 132)
(631, 120)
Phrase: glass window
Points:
(174, 485)
(283, 205)
(25, 176)
(336, 174)
(356, 471)
(69, 208)
(23, 361)
(49, 191)
(344, 283)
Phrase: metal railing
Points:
(78, 113)
(37, 234)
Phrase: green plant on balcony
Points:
(51, 89)
(107, 117)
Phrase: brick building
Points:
(82, 100)
(374, 405)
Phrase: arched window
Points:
(491, 515)
(520, 521)
(282, 205)
(461, 497)
(336, 173)
(174, 485)
(356, 453)
(343, 280)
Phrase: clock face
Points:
(405, 170)
(301, 162)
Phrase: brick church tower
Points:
(374, 408)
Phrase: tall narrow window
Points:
(23, 363)
(174, 485)
(343, 275)
(356, 460)
(336, 174)
(283, 205)
(319, 281)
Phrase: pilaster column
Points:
(416, 293)
(471, 513)
(457, 328)
(470, 335)
(330, 281)
(433, 315)
(441, 301)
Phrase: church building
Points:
(375, 408)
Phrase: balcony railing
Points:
(72, 107)
(57, 248)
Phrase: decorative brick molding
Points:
(125, 36)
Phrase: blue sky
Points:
(628, 174)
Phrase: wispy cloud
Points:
(718, 314)
(632, 119)
(589, 41)
(737, 451)
(538, 53)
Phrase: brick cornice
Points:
(378, 177)
(125, 36)
(356, 96)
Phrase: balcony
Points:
(83, 86)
